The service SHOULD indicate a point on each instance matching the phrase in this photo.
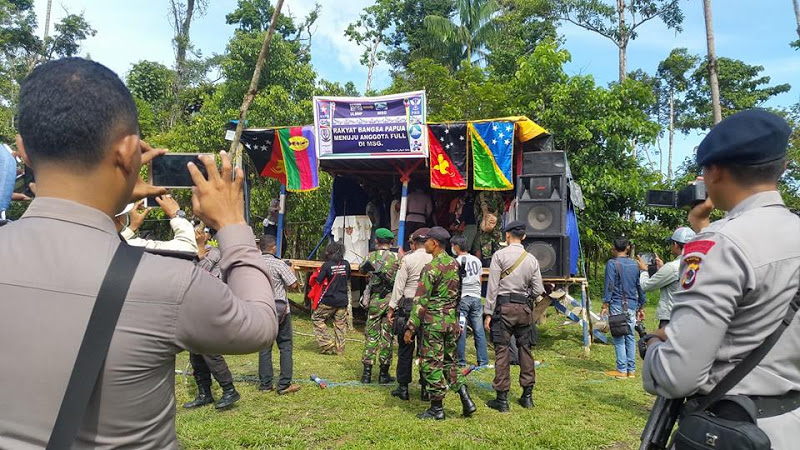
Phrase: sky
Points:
(130, 31)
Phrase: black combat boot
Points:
(203, 398)
(366, 377)
(436, 411)
(500, 403)
(229, 397)
(401, 392)
(384, 377)
(467, 405)
(423, 391)
(526, 401)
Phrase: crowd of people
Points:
(733, 295)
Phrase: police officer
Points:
(738, 277)
(435, 313)
(514, 281)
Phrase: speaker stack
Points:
(542, 204)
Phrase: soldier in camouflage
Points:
(378, 336)
(435, 312)
(489, 206)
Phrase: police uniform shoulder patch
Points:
(702, 247)
(692, 268)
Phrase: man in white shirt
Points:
(470, 308)
(667, 276)
(183, 232)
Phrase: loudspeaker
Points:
(541, 187)
(544, 163)
(552, 252)
(543, 217)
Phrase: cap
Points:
(383, 233)
(514, 225)
(682, 235)
(421, 233)
(749, 137)
(127, 209)
(438, 233)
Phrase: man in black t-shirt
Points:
(334, 276)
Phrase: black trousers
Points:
(284, 341)
(405, 360)
(204, 366)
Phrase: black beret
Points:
(750, 137)
(438, 233)
(514, 225)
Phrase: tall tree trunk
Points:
(372, 55)
(713, 81)
(623, 42)
(181, 44)
(797, 15)
(50, 6)
(253, 89)
(671, 132)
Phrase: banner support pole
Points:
(281, 216)
(401, 227)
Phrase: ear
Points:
(713, 174)
(21, 151)
(127, 154)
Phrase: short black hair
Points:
(751, 175)
(334, 252)
(267, 241)
(71, 110)
(621, 244)
(518, 233)
(459, 241)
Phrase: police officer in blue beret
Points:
(738, 279)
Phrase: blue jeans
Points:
(625, 346)
(471, 310)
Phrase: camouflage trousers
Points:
(438, 352)
(322, 314)
(378, 334)
(487, 243)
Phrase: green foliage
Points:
(151, 81)
(469, 34)
(256, 15)
(521, 26)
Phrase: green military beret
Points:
(383, 233)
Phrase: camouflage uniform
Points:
(436, 312)
(378, 334)
(486, 244)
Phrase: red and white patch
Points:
(698, 247)
(692, 268)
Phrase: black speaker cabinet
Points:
(541, 187)
(543, 217)
(552, 252)
(535, 163)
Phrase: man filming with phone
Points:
(184, 239)
(91, 324)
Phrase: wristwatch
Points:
(180, 213)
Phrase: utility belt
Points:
(513, 298)
(766, 405)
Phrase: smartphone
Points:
(23, 182)
(170, 170)
(150, 202)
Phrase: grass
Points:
(577, 407)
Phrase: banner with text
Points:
(390, 126)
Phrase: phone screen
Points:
(170, 170)
(150, 202)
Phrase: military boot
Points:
(384, 377)
(366, 377)
(203, 398)
(436, 411)
(401, 392)
(229, 396)
(500, 403)
(467, 405)
(526, 401)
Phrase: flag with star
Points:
(447, 144)
(264, 149)
(492, 154)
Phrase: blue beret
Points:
(750, 137)
(514, 225)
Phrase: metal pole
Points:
(401, 227)
(281, 214)
(585, 317)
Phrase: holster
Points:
(402, 313)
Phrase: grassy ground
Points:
(577, 407)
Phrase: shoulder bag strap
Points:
(517, 263)
(753, 359)
(94, 346)
(622, 287)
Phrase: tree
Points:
(474, 29)
(711, 66)
(371, 31)
(672, 73)
(619, 23)
(741, 86)
(521, 26)
(181, 21)
(796, 3)
(409, 40)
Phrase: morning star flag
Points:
(265, 151)
(492, 152)
(300, 158)
(447, 144)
